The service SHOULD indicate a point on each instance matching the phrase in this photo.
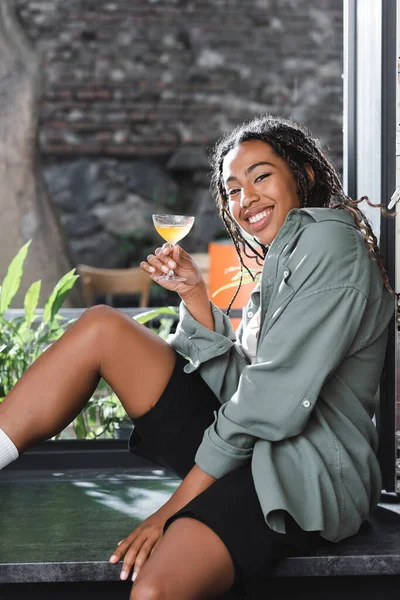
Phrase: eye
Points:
(261, 177)
(232, 192)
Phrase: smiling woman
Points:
(277, 416)
(265, 168)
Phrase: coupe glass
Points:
(172, 228)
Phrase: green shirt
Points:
(302, 413)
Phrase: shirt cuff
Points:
(217, 458)
(199, 343)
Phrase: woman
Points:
(271, 429)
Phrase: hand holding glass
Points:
(172, 228)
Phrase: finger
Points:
(162, 263)
(155, 546)
(179, 254)
(176, 252)
(130, 557)
(122, 547)
(165, 254)
(147, 268)
(144, 554)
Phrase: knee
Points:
(96, 324)
(99, 311)
(98, 316)
(148, 589)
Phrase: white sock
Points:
(8, 451)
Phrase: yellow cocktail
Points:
(172, 228)
(173, 233)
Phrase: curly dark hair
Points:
(297, 146)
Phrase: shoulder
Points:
(329, 249)
(329, 228)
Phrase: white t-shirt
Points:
(250, 336)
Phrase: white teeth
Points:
(260, 216)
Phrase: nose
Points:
(248, 196)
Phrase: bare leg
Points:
(104, 342)
(190, 563)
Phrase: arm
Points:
(198, 305)
(204, 334)
(215, 354)
(195, 482)
(276, 395)
(136, 548)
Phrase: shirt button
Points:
(306, 403)
(286, 273)
(250, 314)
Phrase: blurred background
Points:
(108, 110)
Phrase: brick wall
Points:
(136, 91)
(142, 77)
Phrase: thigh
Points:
(190, 563)
(135, 362)
(230, 507)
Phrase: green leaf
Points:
(58, 296)
(152, 314)
(232, 285)
(31, 301)
(23, 331)
(166, 324)
(12, 280)
(80, 427)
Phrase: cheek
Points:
(232, 208)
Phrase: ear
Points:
(311, 174)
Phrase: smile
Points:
(261, 219)
(261, 215)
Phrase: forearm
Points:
(198, 304)
(195, 482)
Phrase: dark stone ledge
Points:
(63, 526)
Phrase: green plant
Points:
(24, 338)
(21, 340)
(164, 329)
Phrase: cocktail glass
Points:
(172, 229)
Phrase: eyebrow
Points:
(250, 169)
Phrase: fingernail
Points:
(151, 269)
(171, 264)
(113, 558)
(134, 576)
(123, 575)
(164, 268)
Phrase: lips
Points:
(259, 220)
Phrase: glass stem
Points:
(171, 274)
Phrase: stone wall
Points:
(138, 90)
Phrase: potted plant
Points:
(24, 338)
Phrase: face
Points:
(261, 189)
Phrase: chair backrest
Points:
(202, 260)
(114, 281)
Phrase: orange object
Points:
(225, 265)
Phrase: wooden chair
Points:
(202, 260)
(114, 281)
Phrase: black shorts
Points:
(170, 434)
